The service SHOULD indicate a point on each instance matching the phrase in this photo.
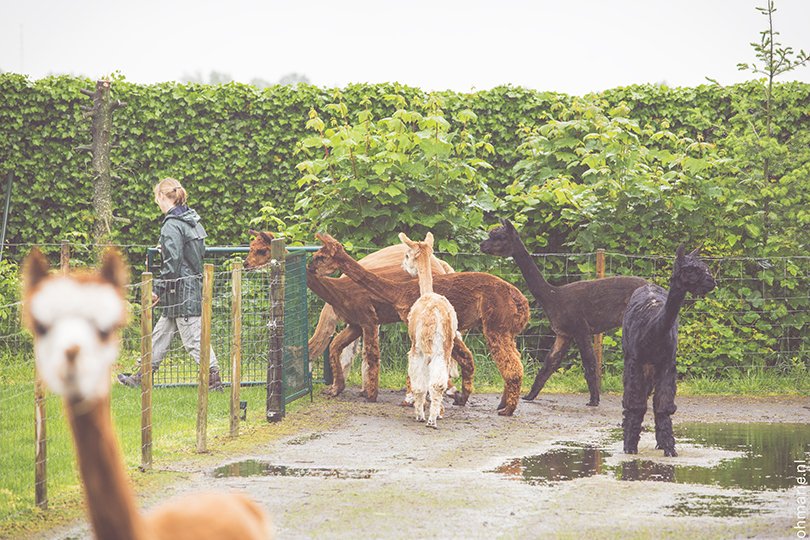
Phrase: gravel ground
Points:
(407, 481)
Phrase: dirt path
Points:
(402, 480)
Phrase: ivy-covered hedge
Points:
(234, 146)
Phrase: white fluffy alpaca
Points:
(432, 326)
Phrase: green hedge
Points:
(234, 145)
(235, 148)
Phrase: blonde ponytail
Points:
(172, 190)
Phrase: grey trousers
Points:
(189, 329)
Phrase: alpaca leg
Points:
(343, 338)
(592, 376)
(634, 404)
(347, 356)
(464, 358)
(438, 374)
(417, 372)
(371, 356)
(664, 407)
(507, 358)
(364, 369)
(553, 360)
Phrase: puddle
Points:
(254, 467)
(765, 458)
(769, 453)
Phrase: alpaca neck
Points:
(322, 286)
(110, 499)
(425, 276)
(541, 289)
(669, 315)
(379, 286)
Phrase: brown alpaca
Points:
(432, 327)
(75, 320)
(348, 301)
(479, 299)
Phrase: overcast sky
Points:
(572, 46)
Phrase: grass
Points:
(174, 440)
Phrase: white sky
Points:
(572, 46)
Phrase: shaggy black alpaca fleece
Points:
(650, 341)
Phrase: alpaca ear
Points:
(252, 232)
(429, 239)
(327, 241)
(267, 237)
(35, 269)
(679, 252)
(508, 224)
(113, 270)
(405, 240)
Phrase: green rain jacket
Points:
(182, 246)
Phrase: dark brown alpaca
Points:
(362, 313)
(479, 300)
(575, 311)
(650, 343)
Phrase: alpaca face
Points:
(692, 274)
(76, 343)
(259, 254)
(75, 321)
(501, 240)
(322, 263)
(417, 253)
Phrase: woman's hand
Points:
(155, 299)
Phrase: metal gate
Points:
(179, 369)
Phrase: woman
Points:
(178, 289)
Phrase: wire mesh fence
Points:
(756, 318)
(29, 476)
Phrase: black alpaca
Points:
(575, 311)
(650, 340)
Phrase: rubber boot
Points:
(134, 380)
(214, 379)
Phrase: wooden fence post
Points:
(236, 345)
(597, 339)
(64, 257)
(41, 416)
(41, 460)
(146, 371)
(205, 356)
(275, 387)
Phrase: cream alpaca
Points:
(75, 320)
(432, 326)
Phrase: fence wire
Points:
(756, 318)
(173, 406)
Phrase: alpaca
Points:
(432, 327)
(75, 320)
(576, 311)
(478, 299)
(650, 340)
(348, 301)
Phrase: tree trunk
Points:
(102, 113)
